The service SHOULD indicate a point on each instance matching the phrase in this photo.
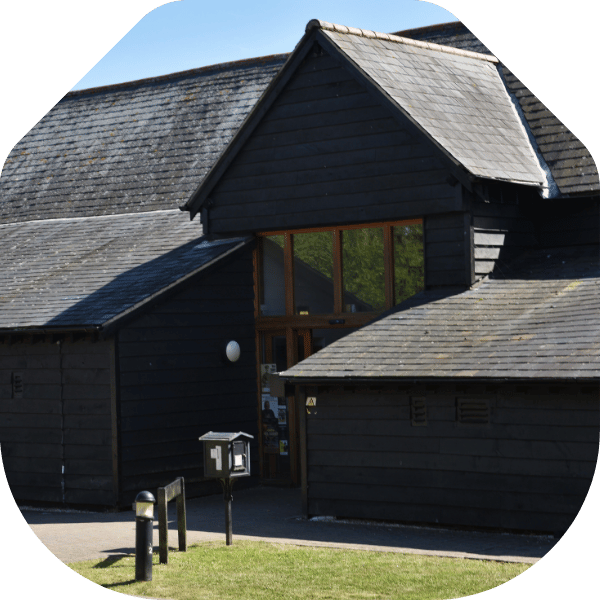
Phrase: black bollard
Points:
(144, 516)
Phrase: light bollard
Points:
(144, 517)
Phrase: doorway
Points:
(279, 350)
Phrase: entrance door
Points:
(280, 350)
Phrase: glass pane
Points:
(274, 410)
(313, 273)
(409, 271)
(272, 300)
(364, 278)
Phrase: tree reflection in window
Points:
(313, 272)
(363, 269)
(381, 265)
(409, 264)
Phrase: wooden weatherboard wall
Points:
(327, 152)
(55, 431)
(175, 384)
(516, 457)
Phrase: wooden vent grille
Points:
(17, 385)
(418, 411)
(473, 412)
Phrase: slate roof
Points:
(84, 272)
(570, 163)
(134, 147)
(540, 320)
(89, 224)
(456, 98)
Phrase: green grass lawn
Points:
(250, 570)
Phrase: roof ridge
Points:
(366, 33)
(197, 70)
(436, 27)
(86, 217)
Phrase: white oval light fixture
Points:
(232, 351)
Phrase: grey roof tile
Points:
(85, 271)
(97, 148)
(573, 156)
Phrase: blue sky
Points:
(194, 33)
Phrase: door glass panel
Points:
(313, 272)
(272, 302)
(274, 410)
(409, 268)
(363, 270)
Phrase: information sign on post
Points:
(226, 457)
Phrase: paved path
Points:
(271, 514)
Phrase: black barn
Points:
(395, 225)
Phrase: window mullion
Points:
(338, 282)
(388, 265)
(288, 265)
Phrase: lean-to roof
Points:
(541, 320)
(89, 224)
(86, 271)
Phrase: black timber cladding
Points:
(570, 163)
(503, 221)
(528, 467)
(56, 435)
(175, 384)
(326, 152)
(132, 147)
(577, 225)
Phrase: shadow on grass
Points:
(108, 562)
(120, 583)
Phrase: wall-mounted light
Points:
(232, 351)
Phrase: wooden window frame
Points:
(290, 319)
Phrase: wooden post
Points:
(181, 518)
(227, 485)
(301, 395)
(163, 526)
(176, 489)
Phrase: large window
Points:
(341, 270)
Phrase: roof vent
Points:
(418, 411)
(472, 412)
(17, 385)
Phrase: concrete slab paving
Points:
(274, 515)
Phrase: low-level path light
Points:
(144, 517)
